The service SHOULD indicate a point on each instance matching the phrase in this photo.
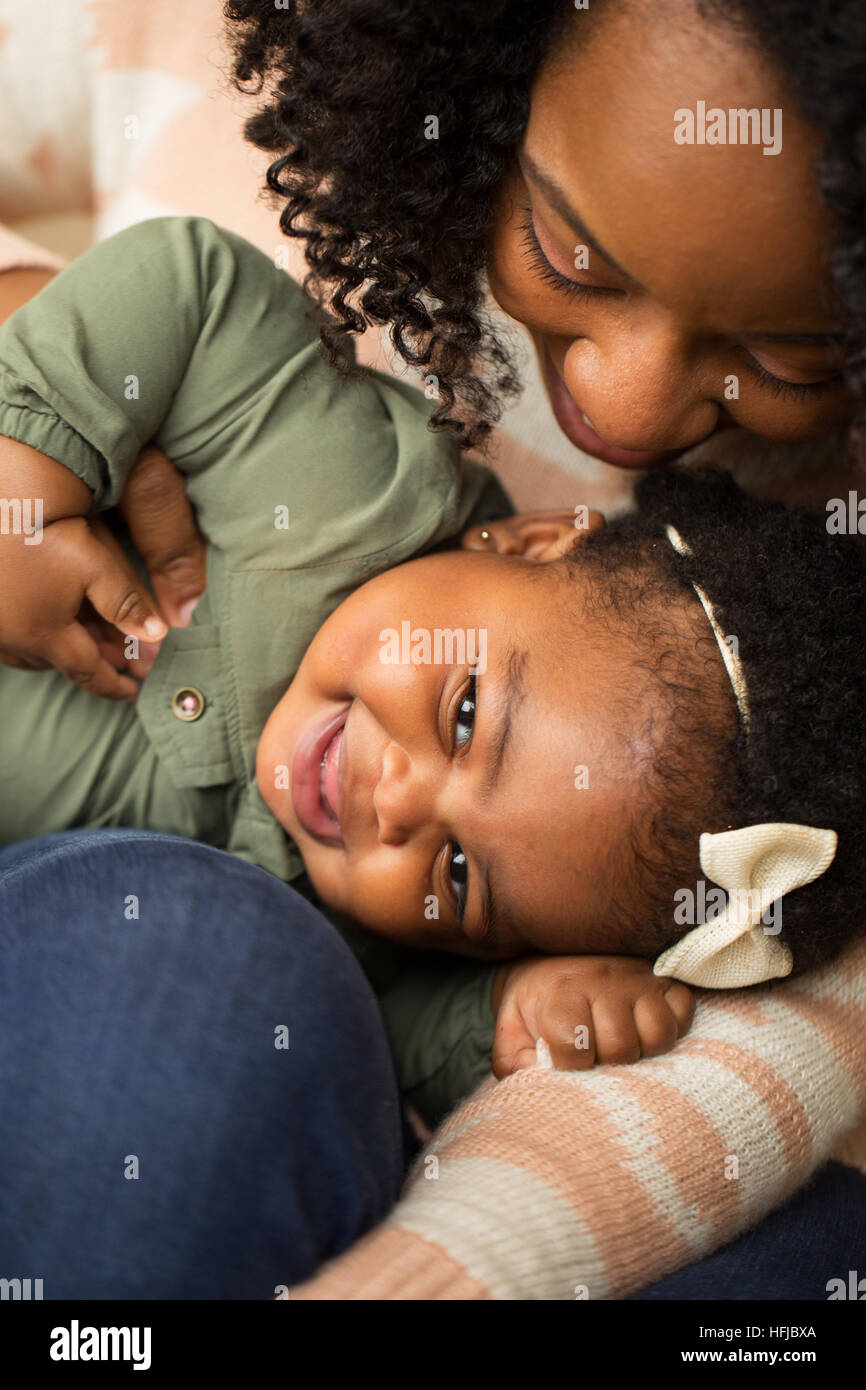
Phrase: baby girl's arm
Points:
(587, 1010)
(51, 561)
(182, 334)
(451, 1021)
(90, 367)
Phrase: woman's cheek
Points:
(783, 421)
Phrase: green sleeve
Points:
(179, 332)
(155, 333)
(440, 1025)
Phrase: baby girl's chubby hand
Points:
(52, 598)
(69, 596)
(588, 1010)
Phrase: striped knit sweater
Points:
(563, 1185)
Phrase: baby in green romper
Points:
(371, 700)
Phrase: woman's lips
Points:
(317, 781)
(570, 419)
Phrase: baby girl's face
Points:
(458, 756)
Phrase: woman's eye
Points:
(534, 255)
(458, 875)
(465, 717)
(792, 390)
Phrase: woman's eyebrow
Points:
(558, 200)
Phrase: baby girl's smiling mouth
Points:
(317, 779)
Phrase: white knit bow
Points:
(755, 865)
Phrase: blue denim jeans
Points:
(819, 1235)
(158, 1139)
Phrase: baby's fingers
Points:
(23, 663)
(513, 1045)
(616, 1035)
(570, 1035)
(681, 1002)
(76, 655)
(117, 594)
(663, 1018)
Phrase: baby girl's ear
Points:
(538, 536)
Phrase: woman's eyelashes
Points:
(790, 390)
(534, 254)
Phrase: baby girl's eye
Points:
(458, 875)
(465, 716)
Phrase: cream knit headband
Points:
(733, 665)
(756, 865)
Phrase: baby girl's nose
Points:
(398, 798)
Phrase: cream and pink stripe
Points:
(593, 1184)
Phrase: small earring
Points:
(485, 535)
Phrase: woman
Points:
(682, 267)
(648, 348)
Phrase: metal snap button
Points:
(188, 703)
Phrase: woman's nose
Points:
(400, 800)
(642, 389)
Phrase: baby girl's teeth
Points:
(329, 756)
(322, 797)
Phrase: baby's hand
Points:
(587, 1009)
(51, 574)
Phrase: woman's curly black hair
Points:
(349, 85)
(792, 595)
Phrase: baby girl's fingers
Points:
(136, 658)
(656, 1024)
(76, 655)
(108, 641)
(525, 1058)
(681, 1002)
(513, 1045)
(23, 663)
(117, 594)
(570, 1036)
(616, 1035)
(163, 527)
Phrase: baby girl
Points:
(533, 740)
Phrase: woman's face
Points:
(671, 289)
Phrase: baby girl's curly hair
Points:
(793, 597)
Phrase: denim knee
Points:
(198, 1098)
